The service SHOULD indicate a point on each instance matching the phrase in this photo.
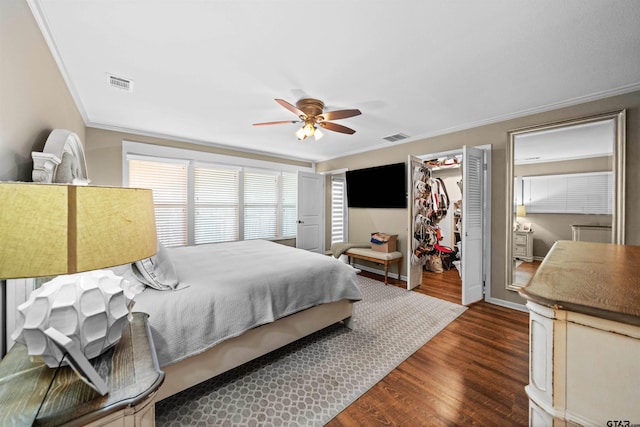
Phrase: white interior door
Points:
(472, 222)
(414, 272)
(310, 232)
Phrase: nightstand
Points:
(523, 245)
(130, 369)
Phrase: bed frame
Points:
(252, 344)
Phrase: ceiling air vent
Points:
(396, 137)
(120, 83)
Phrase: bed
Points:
(214, 307)
(237, 301)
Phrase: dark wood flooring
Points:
(472, 373)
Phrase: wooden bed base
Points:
(252, 344)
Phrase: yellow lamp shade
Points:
(49, 229)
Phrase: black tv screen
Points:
(377, 187)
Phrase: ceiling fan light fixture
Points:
(309, 129)
(310, 112)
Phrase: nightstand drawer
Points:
(519, 250)
(520, 239)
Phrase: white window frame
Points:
(345, 210)
(144, 151)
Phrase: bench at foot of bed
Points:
(383, 258)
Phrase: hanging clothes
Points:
(431, 204)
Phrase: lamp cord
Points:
(50, 385)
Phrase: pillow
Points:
(157, 271)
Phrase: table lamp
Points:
(50, 229)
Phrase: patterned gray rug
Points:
(309, 382)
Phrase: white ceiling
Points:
(204, 71)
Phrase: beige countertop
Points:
(597, 279)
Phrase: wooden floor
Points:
(471, 373)
(525, 271)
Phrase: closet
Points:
(464, 174)
(437, 200)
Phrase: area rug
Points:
(309, 382)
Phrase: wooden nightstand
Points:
(130, 369)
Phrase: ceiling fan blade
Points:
(283, 122)
(340, 114)
(336, 127)
(295, 110)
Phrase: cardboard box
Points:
(390, 246)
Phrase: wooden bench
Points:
(384, 258)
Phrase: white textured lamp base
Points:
(89, 308)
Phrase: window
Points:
(216, 204)
(581, 193)
(338, 210)
(260, 205)
(168, 180)
(200, 202)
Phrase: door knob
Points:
(300, 222)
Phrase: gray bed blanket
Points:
(236, 286)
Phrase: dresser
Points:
(523, 245)
(584, 336)
(591, 233)
(130, 368)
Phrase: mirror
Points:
(566, 182)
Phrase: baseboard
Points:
(507, 304)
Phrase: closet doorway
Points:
(466, 227)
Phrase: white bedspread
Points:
(234, 287)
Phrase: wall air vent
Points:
(396, 137)
(120, 83)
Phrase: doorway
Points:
(466, 225)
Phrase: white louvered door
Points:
(472, 221)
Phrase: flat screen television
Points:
(377, 187)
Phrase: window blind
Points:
(216, 208)
(200, 202)
(338, 210)
(168, 181)
(584, 193)
(260, 205)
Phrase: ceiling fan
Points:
(309, 112)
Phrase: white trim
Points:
(488, 233)
(199, 142)
(335, 171)
(38, 15)
(17, 292)
(507, 304)
(153, 150)
(496, 119)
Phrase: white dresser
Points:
(591, 233)
(584, 357)
(523, 245)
